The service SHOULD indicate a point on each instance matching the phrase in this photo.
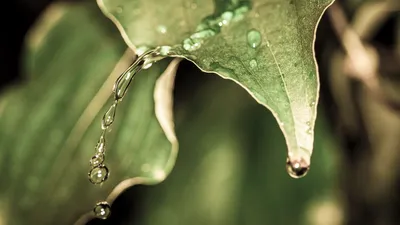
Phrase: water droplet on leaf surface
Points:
(98, 174)
(254, 38)
(102, 210)
(253, 63)
(162, 29)
(297, 168)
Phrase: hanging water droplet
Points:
(253, 38)
(297, 169)
(162, 29)
(102, 210)
(253, 63)
(109, 116)
(101, 145)
(98, 175)
(97, 160)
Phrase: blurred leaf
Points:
(50, 124)
(264, 46)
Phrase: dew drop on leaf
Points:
(253, 63)
(97, 160)
(297, 168)
(253, 38)
(102, 210)
(99, 174)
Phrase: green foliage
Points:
(264, 46)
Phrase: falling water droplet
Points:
(109, 116)
(253, 63)
(99, 174)
(101, 145)
(253, 38)
(297, 169)
(97, 160)
(102, 210)
(122, 84)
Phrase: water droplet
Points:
(297, 169)
(191, 45)
(308, 123)
(309, 131)
(97, 160)
(227, 16)
(203, 34)
(102, 210)
(254, 38)
(312, 104)
(98, 175)
(253, 63)
(124, 80)
(119, 9)
(101, 145)
(193, 5)
(109, 116)
(162, 29)
(164, 50)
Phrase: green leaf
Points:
(264, 46)
(51, 123)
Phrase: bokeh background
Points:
(231, 165)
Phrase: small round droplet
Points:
(98, 174)
(297, 169)
(312, 104)
(97, 160)
(253, 63)
(308, 123)
(162, 29)
(254, 38)
(102, 210)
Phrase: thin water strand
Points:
(98, 172)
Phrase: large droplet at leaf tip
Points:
(297, 168)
